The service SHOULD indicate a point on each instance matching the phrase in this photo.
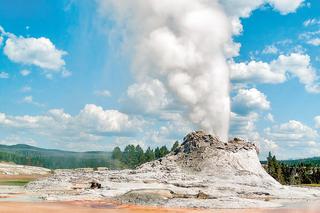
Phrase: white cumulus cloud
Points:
(149, 97)
(293, 132)
(92, 123)
(270, 145)
(248, 100)
(286, 6)
(243, 8)
(40, 52)
(291, 140)
(244, 126)
(276, 71)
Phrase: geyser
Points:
(184, 45)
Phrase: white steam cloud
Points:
(185, 45)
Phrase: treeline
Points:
(133, 156)
(57, 161)
(315, 162)
(293, 174)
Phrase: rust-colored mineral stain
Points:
(97, 207)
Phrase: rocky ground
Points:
(14, 169)
(203, 173)
(12, 178)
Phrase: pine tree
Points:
(129, 156)
(163, 151)
(140, 155)
(116, 154)
(157, 153)
(175, 146)
(149, 155)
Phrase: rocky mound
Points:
(203, 152)
(203, 172)
(197, 142)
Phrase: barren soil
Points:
(107, 207)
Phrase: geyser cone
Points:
(203, 153)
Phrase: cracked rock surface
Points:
(202, 173)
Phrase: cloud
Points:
(276, 71)
(286, 6)
(25, 72)
(270, 145)
(4, 75)
(92, 119)
(248, 100)
(14, 139)
(29, 100)
(65, 73)
(291, 140)
(91, 124)
(243, 126)
(102, 93)
(255, 72)
(243, 8)
(40, 52)
(317, 121)
(312, 143)
(105, 121)
(311, 37)
(148, 97)
(293, 132)
(311, 22)
(270, 49)
(269, 117)
(26, 89)
(314, 42)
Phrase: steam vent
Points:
(203, 173)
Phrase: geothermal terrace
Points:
(203, 173)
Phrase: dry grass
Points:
(16, 180)
(311, 185)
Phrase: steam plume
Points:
(183, 44)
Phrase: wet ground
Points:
(14, 200)
(109, 207)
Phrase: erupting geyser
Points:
(183, 45)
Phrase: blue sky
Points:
(69, 80)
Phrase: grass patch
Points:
(311, 185)
(14, 182)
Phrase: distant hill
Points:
(313, 161)
(53, 158)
